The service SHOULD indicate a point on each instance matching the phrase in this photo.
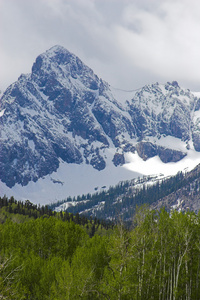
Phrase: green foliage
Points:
(52, 257)
(18, 211)
(9, 280)
(82, 277)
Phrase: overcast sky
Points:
(128, 43)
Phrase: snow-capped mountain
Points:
(62, 126)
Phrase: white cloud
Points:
(165, 42)
(128, 43)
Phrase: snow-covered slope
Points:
(64, 131)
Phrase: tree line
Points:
(20, 211)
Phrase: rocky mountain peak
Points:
(61, 65)
(63, 112)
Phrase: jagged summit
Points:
(64, 113)
(56, 55)
(59, 62)
(57, 51)
(58, 48)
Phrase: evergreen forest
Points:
(49, 255)
(123, 198)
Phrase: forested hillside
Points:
(123, 198)
(49, 256)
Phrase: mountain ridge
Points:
(64, 113)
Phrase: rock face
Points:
(62, 111)
(163, 110)
(146, 150)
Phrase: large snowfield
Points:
(73, 179)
